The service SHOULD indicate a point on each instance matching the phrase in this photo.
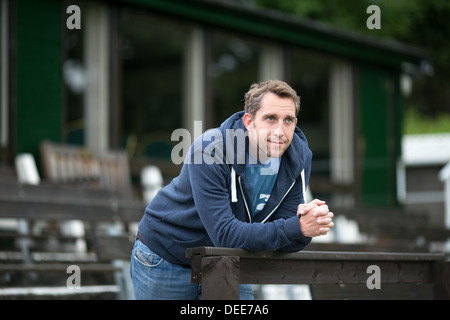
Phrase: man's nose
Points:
(278, 131)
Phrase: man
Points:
(242, 185)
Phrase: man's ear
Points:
(248, 121)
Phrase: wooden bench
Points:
(80, 185)
(77, 165)
(56, 202)
(107, 172)
(53, 202)
(221, 270)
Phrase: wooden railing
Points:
(221, 270)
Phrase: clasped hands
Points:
(315, 218)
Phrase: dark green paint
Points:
(39, 73)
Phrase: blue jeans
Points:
(154, 278)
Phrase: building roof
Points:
(283, 27)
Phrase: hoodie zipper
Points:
(245, 201)
(271, 213)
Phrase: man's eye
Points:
(270, 118)
(289, 120)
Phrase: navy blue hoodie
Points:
(208, 203)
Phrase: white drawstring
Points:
(233, 185)
(303, 186)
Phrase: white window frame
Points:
(342, 133)
(4, 47)
(96, 103)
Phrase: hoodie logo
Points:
(263, 198)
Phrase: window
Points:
(4, 108)
(309, 76)
(74, 75)
(152, 58)
(233, 68)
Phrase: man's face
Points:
(271, 130)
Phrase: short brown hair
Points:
(254, 95)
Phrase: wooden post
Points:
(220, 278)
(441, 280)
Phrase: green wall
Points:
(38, 87)
(380, 130)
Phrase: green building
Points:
(126, 74)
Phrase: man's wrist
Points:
(293, 229)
